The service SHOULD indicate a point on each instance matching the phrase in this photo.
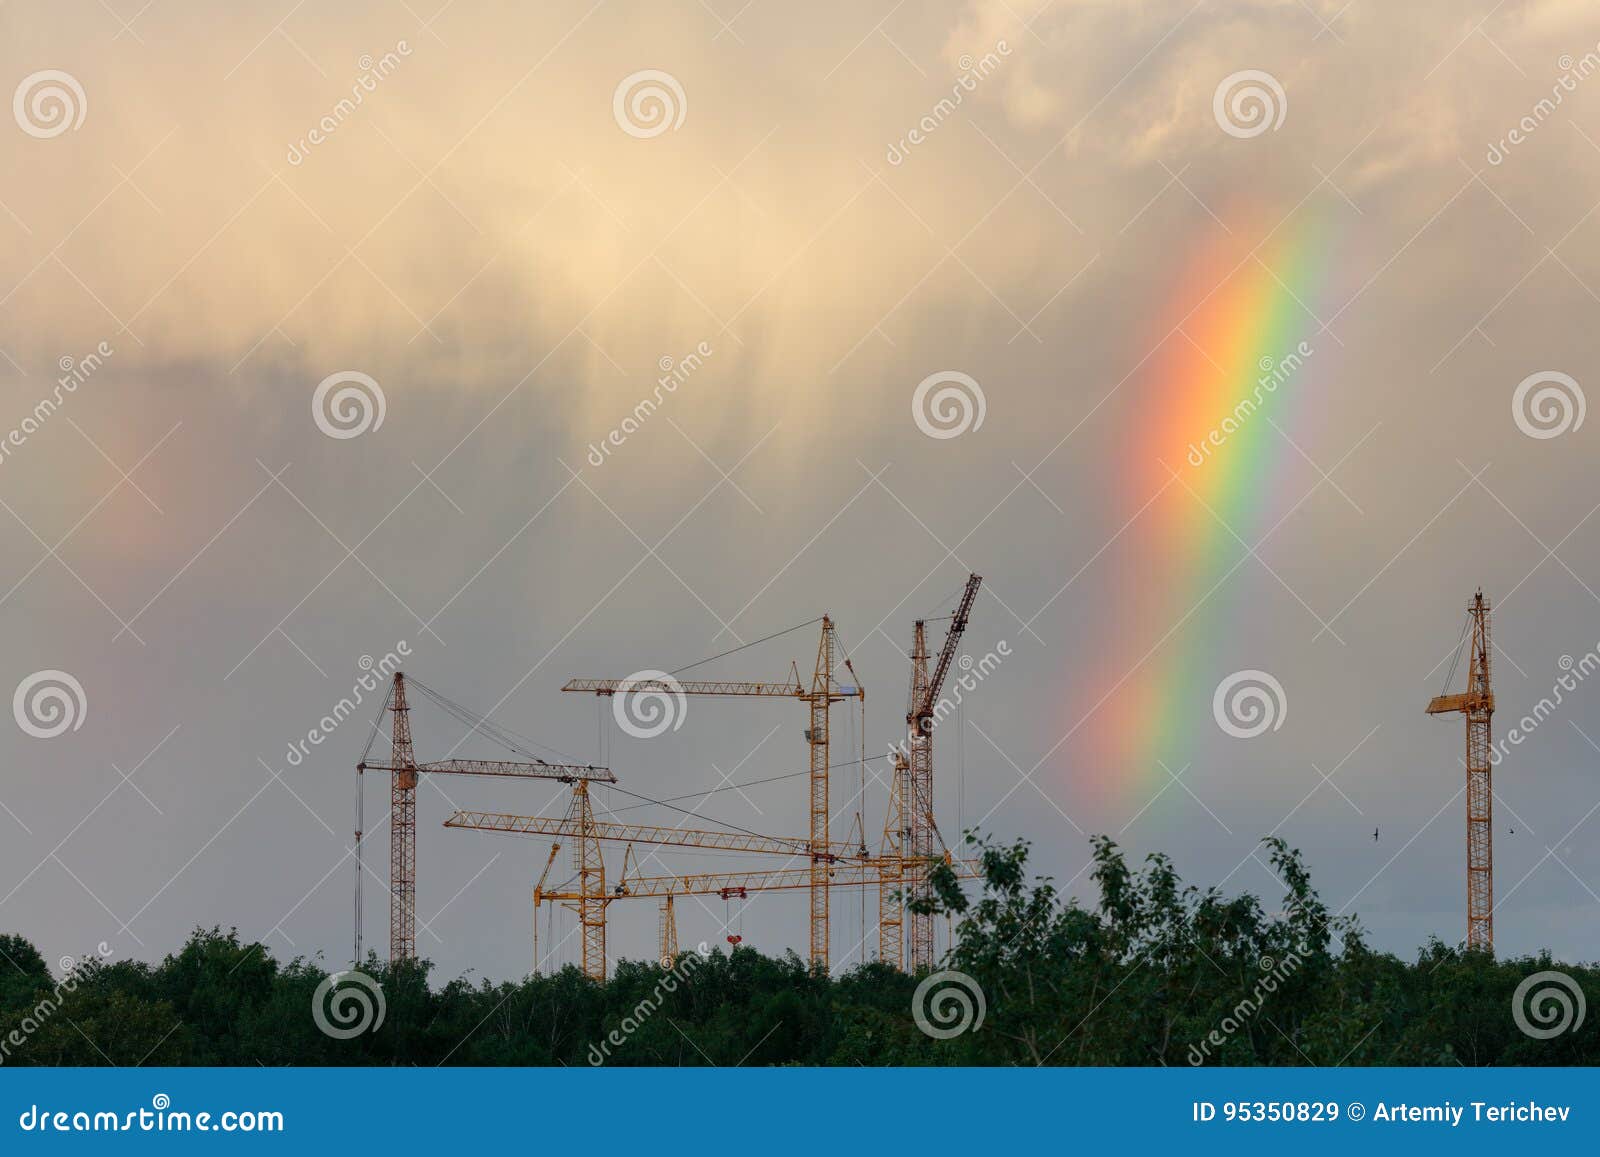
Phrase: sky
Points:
(1235, 345)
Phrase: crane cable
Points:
(747, 783)
(800, 845)
(849, 664)
(744, 646)
(513, 741)
(1455, 662)
(949, 598)
(377, 724)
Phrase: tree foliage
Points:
(1156, 973)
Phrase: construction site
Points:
(887, 868)
(891, 864)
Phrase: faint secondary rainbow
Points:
(1237, 354)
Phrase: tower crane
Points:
(910, 832)
(1476, 703)
(405, 771)
(592, 895)
(854, 874)
(822, 693)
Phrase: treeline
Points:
(1156, 974)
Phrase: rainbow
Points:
(1235, 354)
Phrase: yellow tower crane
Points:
(910, 833)
(592, 896)
(819, 697)
(1476, 703)
(405, 770)
(841, 874)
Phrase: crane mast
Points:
(817, 739)
(891, 891)
(1476, 704)
(910, 834)
(919, 798)
(402, 831)
(573, 828)
(591, 869)
(924, 831)
(667, 933)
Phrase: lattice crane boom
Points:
(644, 834)
(722, 687)
(720, 883)
(537, 769)
(952, 641)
